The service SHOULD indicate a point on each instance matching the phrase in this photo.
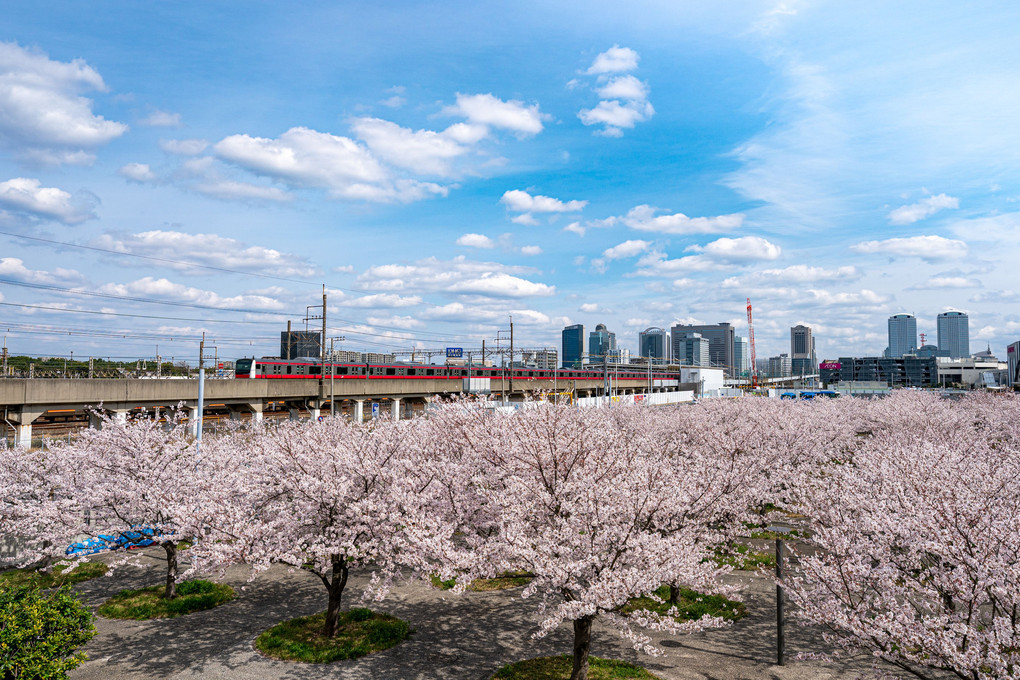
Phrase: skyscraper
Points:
(1013, 361)
(720, 343)
(902, 335)
(573, 345)
(653, 343)
(741, 355)
(695, 350)
(954, 333)
(600, 343)
(802, 351)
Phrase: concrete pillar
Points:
(359, 410)
(95, 420)
(395, 408)
(23, 435)
(194, 418)
(315, 413)
(295, 414)
(256, 412)
(120, 417)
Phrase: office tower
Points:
(721, 340)
(573, 345)
(300, 344)
(902, 335)
(653, 343)
(695, 350)
(1013, 360)
(600, 343)
(541, 358)
(780, 366)
(741, 355)
(802, 351)
(954, 333)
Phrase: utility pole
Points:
(159, 364)
(511, 353)
(288, 341)
(91, 367)
(201, 397)
(4, 374)
(322, 374)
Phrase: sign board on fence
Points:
(454, 352)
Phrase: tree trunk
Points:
(674, 594)
(582, 645)
(335, 587)
(171, 570)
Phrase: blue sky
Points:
(441, 166)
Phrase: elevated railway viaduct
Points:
(44, 400)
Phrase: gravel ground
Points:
(456, 636)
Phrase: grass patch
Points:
(54, 578)
(506, 580)
(360, 632)
(559, 667)
(691, 605)
(148, 603)
(743, 557)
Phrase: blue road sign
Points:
(454, 352)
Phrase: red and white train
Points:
(281, 369)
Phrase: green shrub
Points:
(40, 633)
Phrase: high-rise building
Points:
(802, 351)
(1013, 360)
(741, 355)
(300, 344)
(780, 366)
(720, 343)
(954, 333)
(902, 335)
(573, 345)
(695, 350)
(540, 358)
(653, 343)
(600, 343)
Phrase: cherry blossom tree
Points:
(120, 478)
(587, 502)
(326, 497)
(917, 538)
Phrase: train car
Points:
(270, 368)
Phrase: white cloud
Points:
(623, 98)
(486, 109)
(615, 115)
(207, 249)
(624, 87)
(643, 218)
(503, 285)
(908, 214)
(162, 119)
(948, 282)
(802, 273)
(722, 253)
(166, 289)
(925, 247)
(28, 196)
(476, 241)
(233, 190)
(581, 228)
(138, 172)
(383, 300)
(521, 201)
(14, 268)
(626, 249)
(394, 102)
(421, 151)
(183, 147)
(590, 308)
(531, 250)
(45, 118)
(614, 60)
(739, 249)
(526, 219)
(458, 275)
(303, 157)
(395, 321)
(342, 269)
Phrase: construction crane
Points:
(750, 336)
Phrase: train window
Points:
(342, 370)
(290, 369)
(391, 371)
(430, 371)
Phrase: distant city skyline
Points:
(173, 169)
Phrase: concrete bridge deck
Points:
(23, 401)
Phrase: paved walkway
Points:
(457, 636)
